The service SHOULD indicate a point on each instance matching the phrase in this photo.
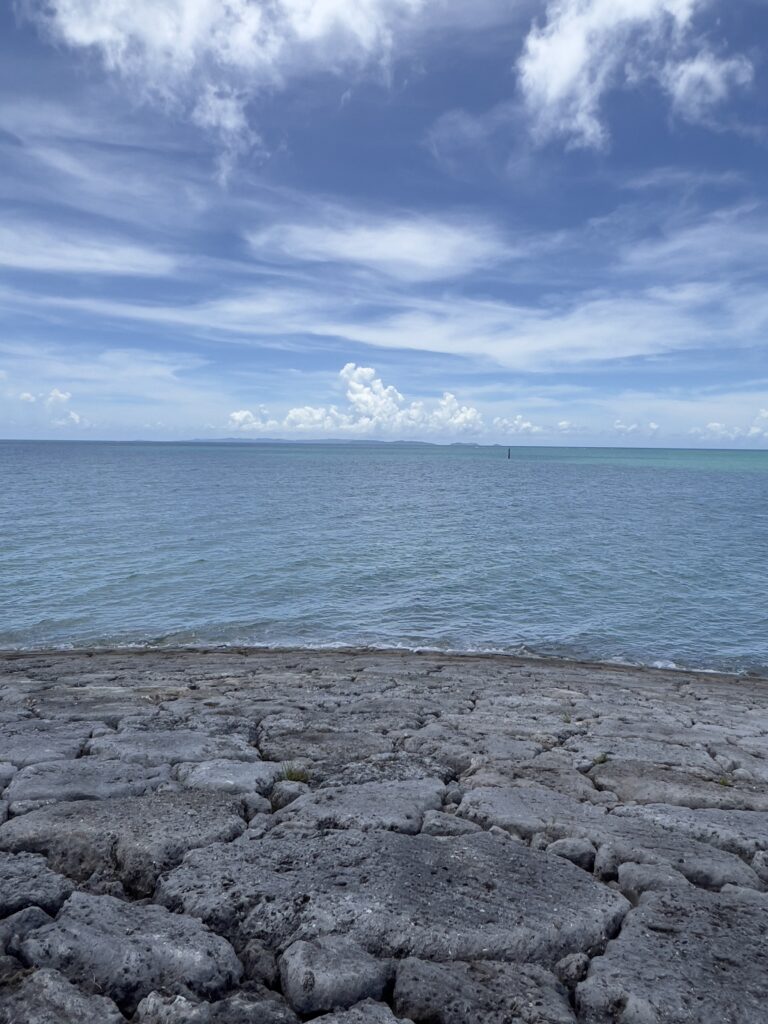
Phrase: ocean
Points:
(631, 555)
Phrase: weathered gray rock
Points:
(248, 1007)
(7, 771)
(170, 746)
(437, 823)
(760, 866)
(494, 993)
(683, 957)
(580, 852)
(228, 776)
(315, 738)
(364, 1013)
(47, 997)
(635, 879)
(27, 881)
(3, 811)
(331, 973)
(128, 951)
(84, 779)
(572, 969)
(16, 926)
(397, 806)
(533, 811)
(740, 832)
(135, 837)
(469, 897)
(653, 784)
(285, 791)
(35, 740)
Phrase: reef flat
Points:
(222, 837)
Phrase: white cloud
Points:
(716, 431)
(700, 83)
(56, 397)
(72, 419)
(517, 425)
(208, 57)
(374, 408)
(27, 396)
(407, 248)
(625, 428)
(31, 247)
(585, 48)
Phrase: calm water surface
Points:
(637, 555)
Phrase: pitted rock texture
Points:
(225, 837)
(128, 951)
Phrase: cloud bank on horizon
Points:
(538, 222)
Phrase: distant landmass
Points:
(330, 440)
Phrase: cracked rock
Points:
(395, 806)
(84, 779)
(330, 973)
(127, 950)
(46, 997)
(494, 993)
(27, 881)
(136, 837)
(680, 959)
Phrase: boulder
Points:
(86, 778)
(47, 997)
(330, 973)
(170, 746)
(227, 776)
(27, 881)
(129, 950)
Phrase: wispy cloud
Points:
(585, 48)
(25, 246)
(414, 248)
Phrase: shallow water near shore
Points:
(637, 555)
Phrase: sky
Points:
(510, 221)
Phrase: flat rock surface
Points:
(367, 834)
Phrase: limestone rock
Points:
(285, 791)
(364, 1013)
(740, 832)
(397, 806)
(580, 852)
(27, 881)
(330, 973)
(127, 950)
(228, 776)
(46, 997)
(494, 993)
(651, 784)
(35, 740)
(84, 779)
(135, 837)
(170, 746)
(257, 1006)
(468, 897)
(14, 927)
(635, 879)
(437, 823)
(681, 958)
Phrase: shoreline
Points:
(245, 650)
(379, 837)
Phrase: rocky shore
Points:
(272, 837)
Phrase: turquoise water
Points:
(635, 555)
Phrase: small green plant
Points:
(722, 781)
(294, 773)
(567, 718)
(600, 759)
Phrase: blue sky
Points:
(509, 220)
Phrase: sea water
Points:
(642, 556)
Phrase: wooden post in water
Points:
(509, 453)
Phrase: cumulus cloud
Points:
(72, 419)
(517, 425)
(27, 396)
(57, 397)
(585, 48)
(407, 248)
(208, 58)
(373, 408)
(716, 431)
